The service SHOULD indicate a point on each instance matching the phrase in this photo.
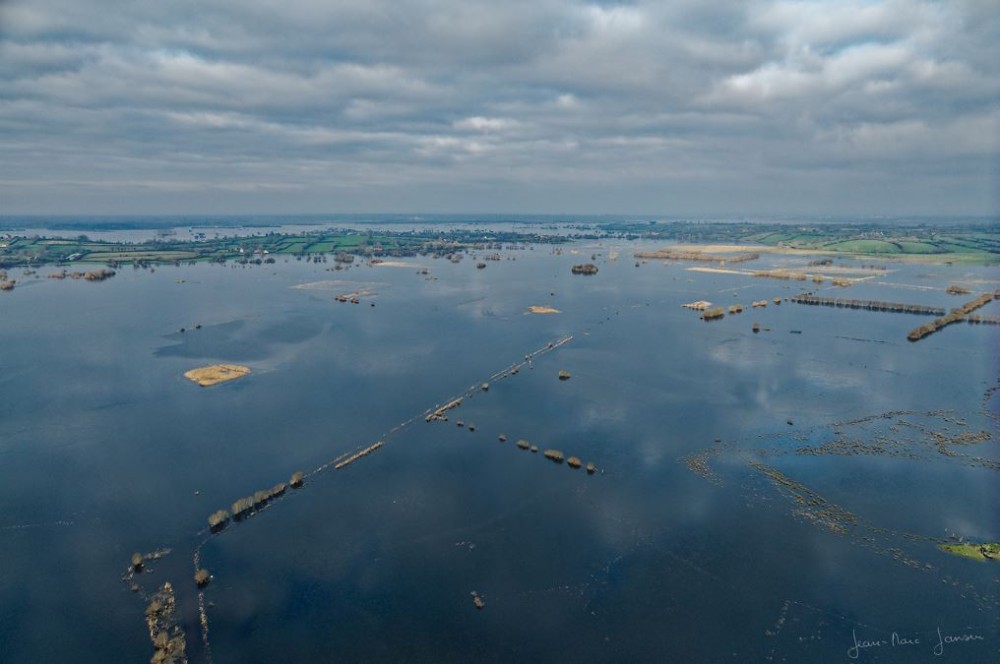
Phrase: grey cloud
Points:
(683, 107)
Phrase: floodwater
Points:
(107, 450)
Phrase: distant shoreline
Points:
(65, 222)
(957, 243)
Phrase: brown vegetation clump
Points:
(242, 507)
(439, 414)
(591, 469)
(564, 375)
(523, 444)
(955, 289)
(736, 308)
(165, 632)
(714, 313)
(98, 275)
(154, 607)
(584, 268)
(534, 449)
(278, 490)
(137, 562)
(780, 273)
(201, 578)
(554, 455)
(573, 462)
(260, 497)
(217, 520)
(296, 479)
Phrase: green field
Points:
(955, 245)
(914, 247)
(874, 247)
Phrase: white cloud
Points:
(620, 21)
(479, 123)
(830, 23)
(807, 75)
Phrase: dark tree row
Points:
(868, 305)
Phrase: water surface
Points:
(106, 449)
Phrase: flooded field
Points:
(787, 483)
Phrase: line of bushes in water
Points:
(440, 413)
(977, 319)
(357, 455)
(789, 275)
(92, 275)
(554, 455)
(955, 315)
(697, 256)
(868, 305)
(243, 507)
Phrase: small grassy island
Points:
(216, 373)
(988, 551)
(714, 313)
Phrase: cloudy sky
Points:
(679, 107)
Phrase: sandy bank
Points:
(782, 273)
(396, 264)
(216, 373)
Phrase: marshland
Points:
(397, 520)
